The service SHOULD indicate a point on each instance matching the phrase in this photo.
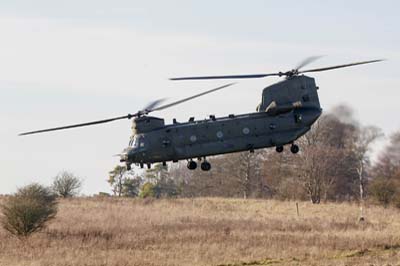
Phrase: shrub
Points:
(28, 210)
(66, 184)
(383, 190)
(147, 191)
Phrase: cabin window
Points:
(220, 135)
(272, 126)
(298, 118)
(193, 138)
(166, 143)
(246, 130)
(141, 144)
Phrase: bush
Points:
(383, 190)
(66, 184)
(28, 210)
(396, 200)
(147, 191)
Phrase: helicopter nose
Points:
(127, 157)
(124, 155)
(131, 155)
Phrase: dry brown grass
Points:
(208, 231)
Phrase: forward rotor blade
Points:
(153, 104)
(150, 108)
(78, 125)
(307, 61)
(340, 66)
(250, 76)
(190, 98)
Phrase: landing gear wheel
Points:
(279, 149)
(191, 165)
(294, 148)
(205, 166)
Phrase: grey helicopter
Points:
(287, 111)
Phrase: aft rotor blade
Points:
(340, 66)
(249, 76)
(79, 125)
(190, 98)
(307, 61)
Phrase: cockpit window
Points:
(134, 142)
(137, 141)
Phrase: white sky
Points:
(64, 62)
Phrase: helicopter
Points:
(287, 111)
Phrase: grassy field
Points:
(208, 231)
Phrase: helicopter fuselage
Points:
(286, 112)
(201, 138)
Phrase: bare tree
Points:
(361, 148)
(318, 168)
(66, 184)
(322, 166)
(245, 172)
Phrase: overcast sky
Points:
(72, 61)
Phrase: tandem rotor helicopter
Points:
(287, 110)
